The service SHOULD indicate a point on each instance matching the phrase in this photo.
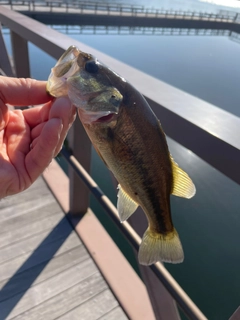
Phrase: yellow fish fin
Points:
(182, 184)
(159, 247)
(125, 204)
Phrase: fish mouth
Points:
(91, 117)
(106, 118)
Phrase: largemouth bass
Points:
(130, 140)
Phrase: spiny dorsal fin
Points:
(182, 184)
(125, 204)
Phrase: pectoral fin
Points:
(182, 184)
(125, 204)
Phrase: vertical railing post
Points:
(80, 145)
(20, 55)
(5, 63)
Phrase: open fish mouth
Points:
(88, 117)
(107, 118)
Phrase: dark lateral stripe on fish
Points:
(110, 133)
(163, 226)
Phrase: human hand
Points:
(29, 138)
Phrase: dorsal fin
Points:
(182, 184)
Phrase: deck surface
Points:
(45, 270)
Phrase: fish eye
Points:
(91, 66)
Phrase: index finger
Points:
(22, 92)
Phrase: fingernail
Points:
(59, 125)
(60, 128)
(63, 101)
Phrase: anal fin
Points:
(126, 205)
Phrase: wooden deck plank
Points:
(54, 266)
(47, 236)
(94, 308)
(25, 207)
(46, 252)
(67, 300)
(45, 290)
(115, 314)
(30, 196)
(29, 230)
(36, 191)
(38, 185)
(31, 216)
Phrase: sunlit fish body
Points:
(129, 138)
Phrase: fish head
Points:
(90, 85)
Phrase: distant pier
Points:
(88, 13)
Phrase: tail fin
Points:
(158, 247)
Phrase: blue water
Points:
(208, 224)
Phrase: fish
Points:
(130, 140)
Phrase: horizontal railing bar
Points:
(182, 299)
